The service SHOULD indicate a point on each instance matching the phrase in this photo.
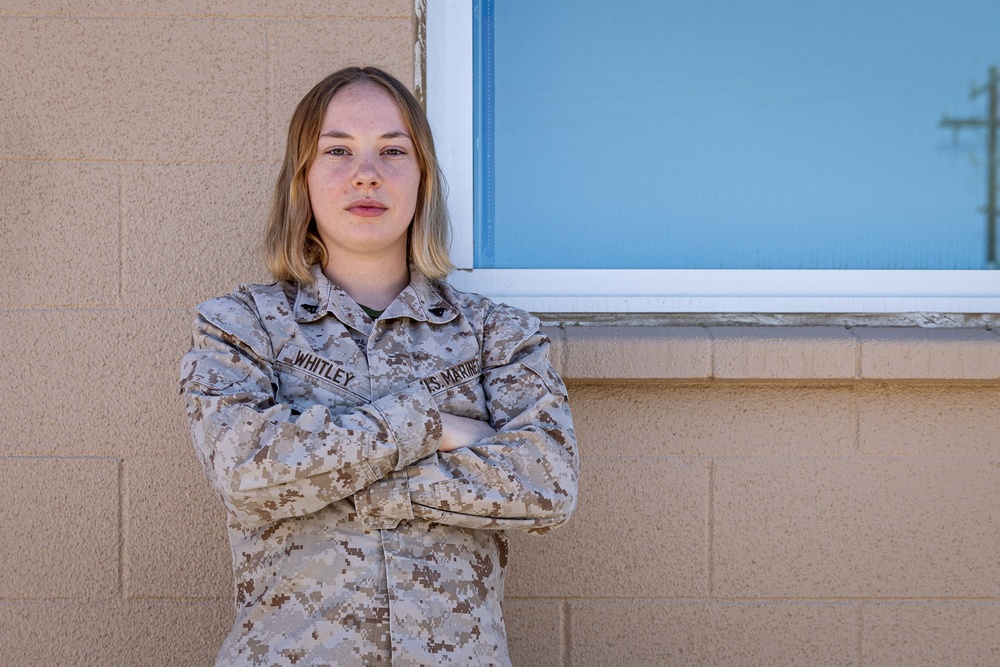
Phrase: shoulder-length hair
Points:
(292, 244)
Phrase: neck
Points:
(374, 282)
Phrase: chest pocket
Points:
(305, 379)
(458, 389)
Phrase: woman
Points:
(371, 430)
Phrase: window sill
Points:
(813, 353)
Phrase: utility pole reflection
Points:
(990, 123)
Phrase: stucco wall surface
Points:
(750, 495)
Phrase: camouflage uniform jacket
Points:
(355, 542)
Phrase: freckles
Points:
(330, 174)
(401, 172)
(398, 176)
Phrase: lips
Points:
(367, 208)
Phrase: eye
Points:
(394, 152)
(338, 151)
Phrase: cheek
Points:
(323, 179)
(312, 181)
(410, 183)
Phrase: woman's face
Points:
(364, 180)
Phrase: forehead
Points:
(361, 107)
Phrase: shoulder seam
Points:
(250, 307)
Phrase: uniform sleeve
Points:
(269, 461)
(525, 476)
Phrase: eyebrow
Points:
(337, 134)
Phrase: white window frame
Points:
(448, 69)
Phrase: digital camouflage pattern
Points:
(355, 542)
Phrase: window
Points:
(715, 157)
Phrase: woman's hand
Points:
(462, 432)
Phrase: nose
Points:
(367, 175)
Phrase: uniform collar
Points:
(420, 301)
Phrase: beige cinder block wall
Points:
(751, 496)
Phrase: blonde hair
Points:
(292, 244)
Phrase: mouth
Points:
(367, 208)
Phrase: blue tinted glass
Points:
(729, 134)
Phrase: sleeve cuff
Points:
(414, 423)
(385, 503)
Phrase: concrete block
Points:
(641, 634)
(639, 531)
(535, 633)
(863, 528)
(193, 90)
(928, 354)
(61, 101)
(191, 232)
(137, 634)
(644, 419)
(931, 633)
(136, 89)
(96, 382)
(557, 349)
(176, 544)
(935, 418)
(626, 353)
(328, 9)
(773, 353)
(60, 527)
(304, 52)
(310, 9)
(59, 225)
